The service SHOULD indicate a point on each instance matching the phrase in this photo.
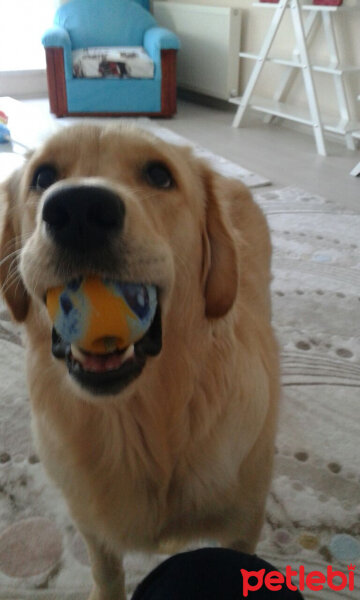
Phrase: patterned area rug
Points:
(313, 510)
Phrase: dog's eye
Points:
(158, 175)
(44, 177)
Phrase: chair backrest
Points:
(104, 22)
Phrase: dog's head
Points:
(117, 203)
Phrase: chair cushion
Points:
(124, 62)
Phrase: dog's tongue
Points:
(98, 363)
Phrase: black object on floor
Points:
(213, 574)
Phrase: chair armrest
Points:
(58, 37)
(55, 37)
(159, 38)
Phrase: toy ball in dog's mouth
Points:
(100, 316)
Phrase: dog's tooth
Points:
(77, 354)
(129, 353)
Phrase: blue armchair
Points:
(93, 23)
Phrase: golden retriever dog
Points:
(176, 440)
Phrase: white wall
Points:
(255, 22)
(22, 57)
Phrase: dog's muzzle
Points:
(82, 221)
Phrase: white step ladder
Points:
(356, 170)
(304, 32)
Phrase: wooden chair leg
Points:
(168, 83)
(55, 70)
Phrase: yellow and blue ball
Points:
(101, 315)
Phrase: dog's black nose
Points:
(83, 217)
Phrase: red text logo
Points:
(314, 580)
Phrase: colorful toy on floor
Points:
(101, 315)
(4, 131)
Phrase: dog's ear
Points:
(11, 284)
(220, 268)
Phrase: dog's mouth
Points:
(109, 374)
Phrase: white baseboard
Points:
(23, 84)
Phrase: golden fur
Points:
(185, 451)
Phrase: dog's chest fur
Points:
(139, 474)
